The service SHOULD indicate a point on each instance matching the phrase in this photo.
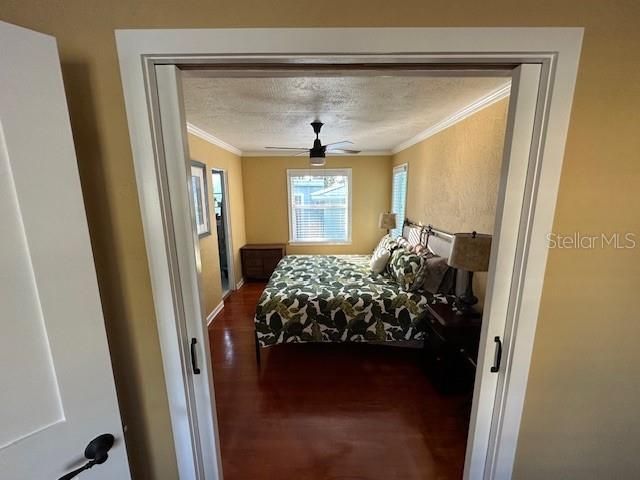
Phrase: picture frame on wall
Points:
(199, 197)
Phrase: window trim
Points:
(405, 167)
(315, 172)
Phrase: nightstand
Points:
(260, 260)
(451, 348)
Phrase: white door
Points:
(56, 384)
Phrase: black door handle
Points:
(194, 361)
(498, 357)
(96, 453)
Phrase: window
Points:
(319, 206)
(399, 197)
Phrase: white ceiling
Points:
(375, 113)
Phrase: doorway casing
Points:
(226, 225)
(544, 62)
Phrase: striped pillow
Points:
(402, 242)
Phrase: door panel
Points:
(55, 371)
(32, 399)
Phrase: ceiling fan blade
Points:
(343, 150)
(287, 148)
(330, 146)
(301, 153)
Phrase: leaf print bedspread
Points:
(336, 298)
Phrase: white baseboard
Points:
(240, 284)
(214, 313)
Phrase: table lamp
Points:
(387, 221)
(469, 252)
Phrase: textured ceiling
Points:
(375, 113)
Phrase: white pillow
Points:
(386, 243)
(379, 260)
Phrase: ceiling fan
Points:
(318, 152)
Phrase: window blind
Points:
(319, 205)
(399, 197)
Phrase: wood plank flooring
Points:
(328, 411)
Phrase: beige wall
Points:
(216, 157)
(580, 418)
(453, 176)
(267, 214)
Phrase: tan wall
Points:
(265, 196)
(453, 177)
(216, 157)
(580, 418)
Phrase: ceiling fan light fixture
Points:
(317, 161)
(318, 151)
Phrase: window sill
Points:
(299, 244)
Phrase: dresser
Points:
(260, 260)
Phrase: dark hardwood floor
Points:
(328, 411)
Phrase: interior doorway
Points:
(543, 60)
(223, 227)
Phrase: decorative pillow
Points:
(386, 243)
(421, 250)
(435, 270)
(402, 242)
(448, 284)
(407, 269)
(379, 260)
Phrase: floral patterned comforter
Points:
(336, 298)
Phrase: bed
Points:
(337, 298)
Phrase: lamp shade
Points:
(387, 221)
(470, 252)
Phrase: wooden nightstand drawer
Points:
(433, 341)
(251, 261)
(259, 261)
(253, 273)
(450, 348)
(271, 260)
(435, 325)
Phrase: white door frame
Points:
(227, 227)
(551, 52)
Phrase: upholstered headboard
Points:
(437, 240)
(413, 233)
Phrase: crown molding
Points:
(271, 153)
(198, 132)
(460, 115)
